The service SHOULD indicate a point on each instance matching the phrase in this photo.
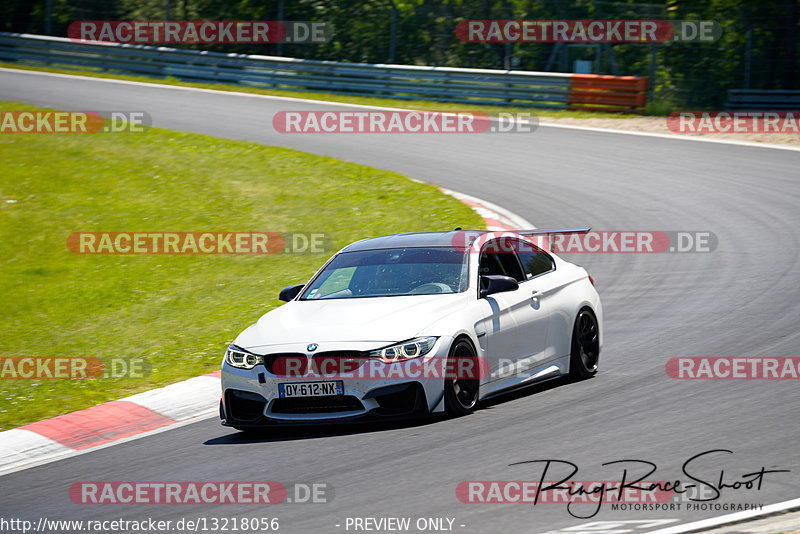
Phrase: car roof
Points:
(460, 238)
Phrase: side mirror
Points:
(497, 283)
(289, 293)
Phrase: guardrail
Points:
(444, 84)
(608, 93)
(747, 99)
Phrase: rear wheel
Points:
(461, 392)
(585, 346)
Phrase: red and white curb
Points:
(496, 217)
(108, 423)
(155, 410)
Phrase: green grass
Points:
(177, 311)
(361, 100)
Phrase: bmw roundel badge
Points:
(312, 347)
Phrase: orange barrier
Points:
(595, 92)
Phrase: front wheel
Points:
(461, 392)
(585, 346)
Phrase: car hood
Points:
(379, 319)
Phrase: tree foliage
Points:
(758, 48)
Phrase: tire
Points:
(585, 353)
(461, 394)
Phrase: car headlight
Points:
(407, 350)
(237, 357)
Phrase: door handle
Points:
(535, 294)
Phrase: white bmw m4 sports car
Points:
(414, 324)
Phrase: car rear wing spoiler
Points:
(542, 231)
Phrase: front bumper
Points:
(250, 398)
(408, 402)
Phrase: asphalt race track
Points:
(739, 300)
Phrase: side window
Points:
(533, 259)
(498, 258)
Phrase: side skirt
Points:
(548, 371)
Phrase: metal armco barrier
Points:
(444, 84)
(777, 100)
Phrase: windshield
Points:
(391, 273)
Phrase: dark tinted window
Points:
(391, 272)
(498, 258)
(534, 261)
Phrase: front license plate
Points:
(311, 389)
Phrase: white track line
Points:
(386, 108)
(738, 517)
(673, 136)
